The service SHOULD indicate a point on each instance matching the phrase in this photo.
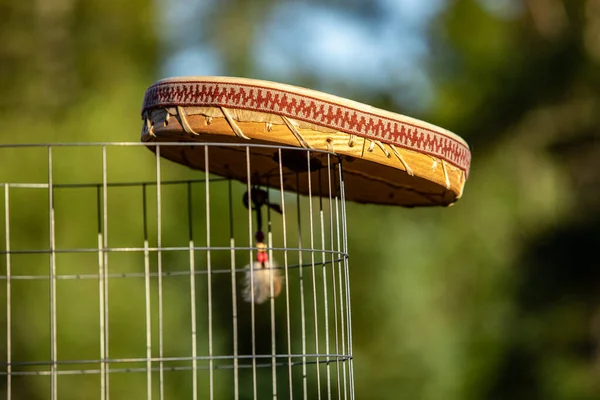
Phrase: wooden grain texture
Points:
(371, 176)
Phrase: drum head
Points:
(386, 158)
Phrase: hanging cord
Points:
(260, 198)
(260, 281)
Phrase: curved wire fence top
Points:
(125, 275)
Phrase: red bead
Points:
(262, 257)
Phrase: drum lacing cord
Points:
(446, 175)
(371, 147)
(407, 168)
(188, 129)
(295, 132)
(148, 127)
(352, 140)
(184, 122)
(462, 187)
(380, 145)
(236, 129)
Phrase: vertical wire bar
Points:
(161, 370)
(236, 384)
(285, 266)
(148, 299)
(99, 213)
(325, 296)
(8, 295)
(272, 301)
(301, 282)
(251, 266)
(105, 271)
(312, 268)
(314, 275)
(192, 295)
(333, 287)
(347, 273)
(53, 339)
(342, 310)
(209, 277)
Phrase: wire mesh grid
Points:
(123, 278)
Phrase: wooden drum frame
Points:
(387, 158)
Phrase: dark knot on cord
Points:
(260, 198)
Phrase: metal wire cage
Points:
(123, 276)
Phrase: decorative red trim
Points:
(309, 109)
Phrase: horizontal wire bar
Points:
(167, 359)
(33, 185)
(166, 144)
(155, 274)
(175, 248)
(114, 184)
(26, 185)
(337, 359)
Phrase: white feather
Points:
(260, 291)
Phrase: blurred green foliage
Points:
(496, 297)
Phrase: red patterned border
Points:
(309, 109)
